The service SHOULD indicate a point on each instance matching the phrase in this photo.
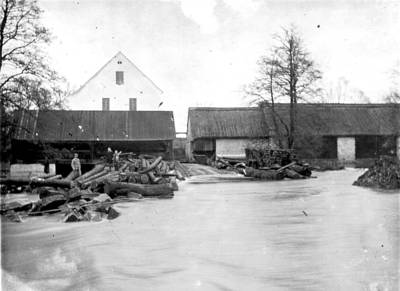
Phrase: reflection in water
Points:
(317, 234)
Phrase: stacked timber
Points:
(268, 157)
(274, 164)
(385, 173)
(90, 196)
(294, 170)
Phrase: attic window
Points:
(119, 62)
(119, 77)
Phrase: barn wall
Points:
(373, 146)
(316, 147)
(346, 147)
(233, 148)
(206, 145)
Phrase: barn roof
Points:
(312, 119)
(63, 125)
(226, 122)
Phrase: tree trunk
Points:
(52, 183)
(145, 190)
(152, 166)
(36, 183)
(95, 176)
(95, 170)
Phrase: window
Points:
(132, 104)
(106, 104)
(119, 77)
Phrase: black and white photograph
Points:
(214, 145)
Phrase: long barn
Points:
(343, 132)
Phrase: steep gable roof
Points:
(118, 55)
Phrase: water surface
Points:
(316, 234)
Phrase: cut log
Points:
(153, 178)
(52, 202)
(74, 194)
(95, 176)
(49, 191)
(97, 169)
(36, 183)
(124, 167)
(72, 176)
(54, 178)
(144, 190)
(44, 176)
(101, 179)
(302, 170)
(287, 166)
(152, 166)
(293, 174)
(263, 174)
(179, 175)
(144, 179)
(52, 183)
(134, 195)
(15, 181)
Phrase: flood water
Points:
(316, 234)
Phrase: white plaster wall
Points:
(346, 147)
(29, 170)
(231, 147)
(103, 85)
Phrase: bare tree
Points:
(26, 80)
(394, 94)
(289, 74)
(393, 97)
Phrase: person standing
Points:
(109, 157)
(116, 159)
(76, 165)
(46, 165)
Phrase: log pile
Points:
(274, 164)
(385, 174)
(267, 157)
(293, 170)
(90, 196)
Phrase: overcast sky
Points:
(202, 52)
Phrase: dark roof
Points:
(313, 119)
(62, 125)
(226, 122)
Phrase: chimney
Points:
(132, 104)
(106, 104)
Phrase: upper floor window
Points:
(119, 77)
(106, 104)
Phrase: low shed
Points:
(56, 134)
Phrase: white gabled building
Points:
(118, 85)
